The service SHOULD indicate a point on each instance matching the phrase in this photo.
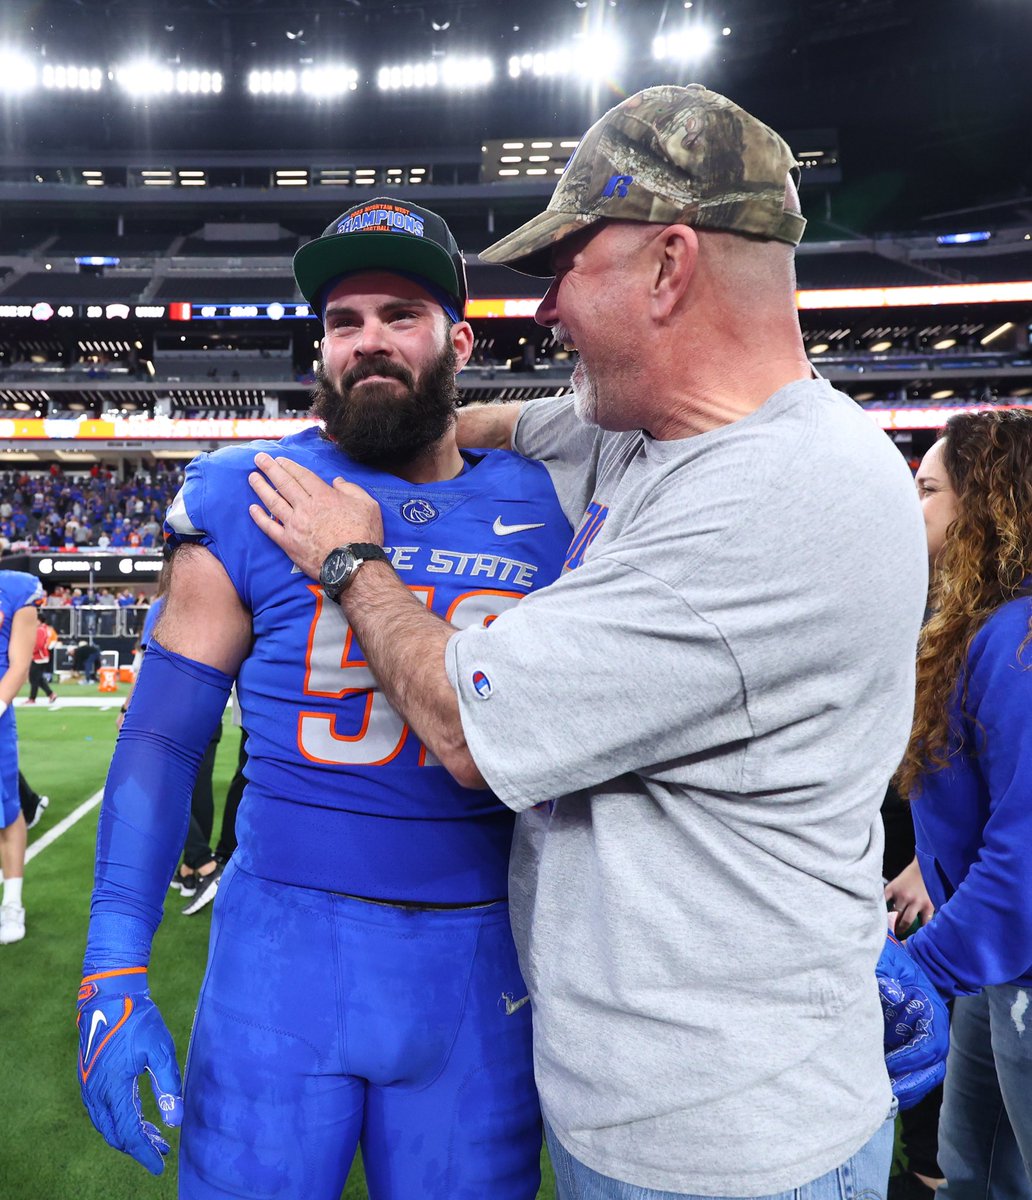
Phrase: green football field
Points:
(48, 1148)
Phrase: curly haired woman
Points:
(968, 770)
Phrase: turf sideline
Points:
(64, 825)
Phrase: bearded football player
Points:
(362, 985)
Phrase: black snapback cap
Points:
(383, 235)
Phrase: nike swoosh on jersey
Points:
(501, 530)
(98, 1019)
(512, 1006)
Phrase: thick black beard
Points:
(385, 426)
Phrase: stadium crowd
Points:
(54, 510)
(104, 597)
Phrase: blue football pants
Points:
(10, 801)
(327, 1022)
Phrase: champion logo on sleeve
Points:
(482, 685)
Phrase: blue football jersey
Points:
(341, 795)
(17, 590)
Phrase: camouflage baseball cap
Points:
(669, 155)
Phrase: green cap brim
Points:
(327, 258)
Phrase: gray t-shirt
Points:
(712, 702)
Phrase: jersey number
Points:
(331, 673)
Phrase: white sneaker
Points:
(12, 923)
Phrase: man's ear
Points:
(675, 253)
(461, 334)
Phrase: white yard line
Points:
(52, 835)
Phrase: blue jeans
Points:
(985, 1129)
(865, 1176)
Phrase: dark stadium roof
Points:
(929, 99)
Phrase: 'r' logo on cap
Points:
(618, 185)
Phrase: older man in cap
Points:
(697, 721)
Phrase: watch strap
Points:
(358, 553)
(368, 552)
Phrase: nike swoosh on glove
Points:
(121, 1035)
(917, 1025)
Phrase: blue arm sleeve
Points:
(174, 709)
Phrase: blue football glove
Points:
(917, 1025)
(121, 1035)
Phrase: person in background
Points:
(697, 721)
(19, 595)
(199, 864)
(86, 661)
(207, 881)
(33, 805)
(968, 772)
(46, 639)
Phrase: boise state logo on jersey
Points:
(482, 685)
(419, 512)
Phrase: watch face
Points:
(337, 569)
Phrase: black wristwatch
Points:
(340, 566)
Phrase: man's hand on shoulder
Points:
(306, 517)
(121, 1035)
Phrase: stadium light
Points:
(513, 159)
(460, 73)
(194, 82)
(322, 83)
(144, 79)
(456, 73)
(962, 239)
(599, 55)
(69, 78)
(141, 79)
(409, 75)
(17, 73)
(272, 83)
(999, 331)
(594, 56)
(686, 45)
